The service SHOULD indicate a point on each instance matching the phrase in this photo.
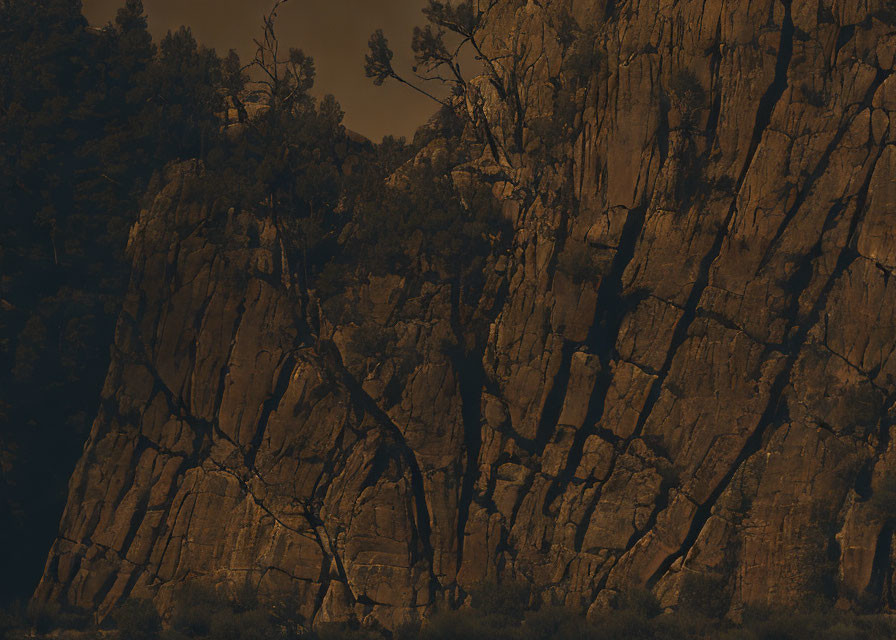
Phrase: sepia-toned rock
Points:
(711, 393)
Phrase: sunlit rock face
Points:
(713, 396)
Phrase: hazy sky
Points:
(334, 32)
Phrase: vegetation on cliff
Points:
(663, 359)
(88, 117)
(497, 612)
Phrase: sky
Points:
(334, 32)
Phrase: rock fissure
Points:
(763, 118)
(362, 399)
(470, 383)
(819, 170)
(754, 443)
(284, 376)
(601, 341)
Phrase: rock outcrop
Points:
(716, 398)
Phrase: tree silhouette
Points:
(508, 63)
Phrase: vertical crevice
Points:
(329, 550)
(582, 528)
(820, 169)
(406, 453)
(225, 367)
(610, 310)
(270, 405)
(765, 109)
(137, 516)
(752, 445)
(715, 111)
(324, 586)
(774, 93)
(470, 382)
(775, 410)
(470, 387)
(763, 118)
(553, 404)
(880, 568)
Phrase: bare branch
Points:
(419, 90)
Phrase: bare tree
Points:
(435, 59)
(285, 80)
(510, 65)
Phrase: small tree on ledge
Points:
(285, 81)
(509, 67)
(436, 60)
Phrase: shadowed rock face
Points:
(717, 398)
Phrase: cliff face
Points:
(715, 398)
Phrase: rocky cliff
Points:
(712, 394)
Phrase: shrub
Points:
(883, 500)
(813, 96)
(202, 612)
(577, 263)
(196, 606)
(371, 340)
(11, 617)
(44, 616)
(887, 12)
(688, 96)
(245, 598)
(554, 623)
(623, 625)
(286, 615)
(342, 631)
(725, 185)
(641, 602)
(685, 626)
(863, 406)
(407, 631)
(469, 625)
(704, 594)
(137, 619)
(584, 58)
(507, 600)
(245, 625)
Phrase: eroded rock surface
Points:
(716, 399)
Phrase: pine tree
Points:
(185, 98)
